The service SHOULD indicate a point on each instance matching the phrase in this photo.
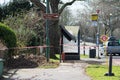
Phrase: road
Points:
(71, 46)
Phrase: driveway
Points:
(66, 71)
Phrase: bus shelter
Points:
(69, 37)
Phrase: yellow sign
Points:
(94, 17)
(104, 38)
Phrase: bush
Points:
(8, 36)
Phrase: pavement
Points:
(69, 70)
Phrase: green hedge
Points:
(8, 36)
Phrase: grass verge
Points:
(84, 56)
(81, 56)
(96, 72)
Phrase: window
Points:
(113, 44)
(110, 44)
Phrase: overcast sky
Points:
(76, 5)
(4, 1)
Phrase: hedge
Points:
(8, 36)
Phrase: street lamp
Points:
(110, 24)
(110, 56)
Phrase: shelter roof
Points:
(67, 34)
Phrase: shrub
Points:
(7, 35)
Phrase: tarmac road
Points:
(71, 46)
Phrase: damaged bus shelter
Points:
(69, 55)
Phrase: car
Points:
(113, 47)
(102, 49)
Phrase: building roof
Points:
(73, 29)
(67, 34)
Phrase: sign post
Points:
(94, 18)
(51, 16)
(47, 33)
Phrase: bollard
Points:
(63, 56)
(1, 67)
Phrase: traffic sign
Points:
(98, 11)
(104, 38)
(94, 23)
(94, 17)
(53, 16)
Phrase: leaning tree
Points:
(54, 29)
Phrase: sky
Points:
(76, 5)
(2, 1)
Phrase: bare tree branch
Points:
(54, 5)
(62, 8)
(39, 4)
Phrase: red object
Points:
(97, 11)
(104, 38)
(63, 56)
(51, 16)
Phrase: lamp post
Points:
(110, 24)
(110, 56)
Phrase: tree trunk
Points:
(54, 29)
(54, 38)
